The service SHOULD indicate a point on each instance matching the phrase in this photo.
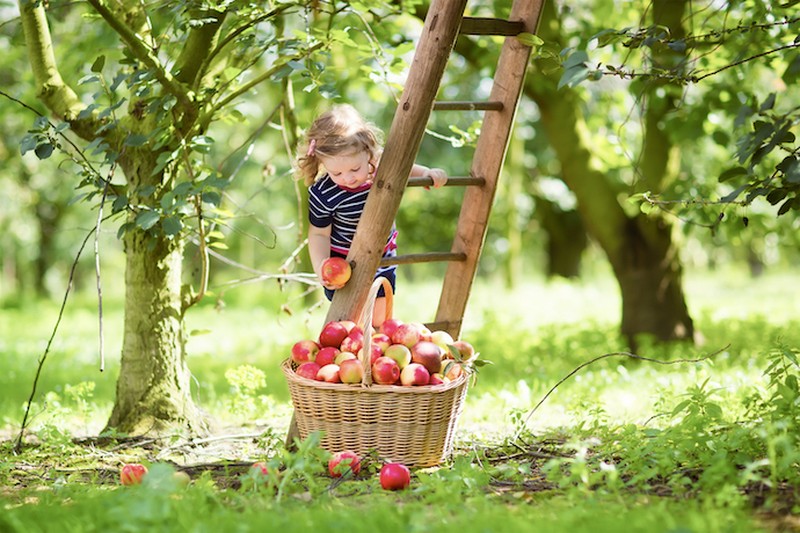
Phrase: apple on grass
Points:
(335, 272)
(132, 473)
(400, 353)
(329, 374)
(427, 354)
(326, 355)
(395, 476)
(351, 371)
(414, 374)
(342, 462)
(332, 334)
(308, 370)
(304, 351)
(385, 371)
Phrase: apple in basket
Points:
(389, 326)
(332, 334)
(341, 462)
(466, 352)
(326, 355)
(408, 334)
(344, 356)
(442, 339)
(395, 476)
(438, 379)
(424, 332)
(304, 351)
(381, 340)
(451, 370)
(385, 371)
(427, 354)
(415, 374)
(400, 353)
(375, 352)
(308, 370)
(351, 371)
(335, 271)
(353, 342)
(329, 373)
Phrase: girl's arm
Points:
(438, 175)
(319, 249)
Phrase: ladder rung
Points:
(468, 106)
(428, 257)
(453, 181)
(446, 325)
(491, 26)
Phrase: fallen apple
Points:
(304, 351)
(335, 272)
(341, 462)
(132, 473)
(414, 374)
(395, 476)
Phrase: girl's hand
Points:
(438, 175)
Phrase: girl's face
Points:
(350, 171)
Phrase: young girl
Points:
(339, 163)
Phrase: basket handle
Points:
(366, 319)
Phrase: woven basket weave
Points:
(411, 425)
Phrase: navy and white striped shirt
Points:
(340, 208)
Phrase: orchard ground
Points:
(513, 466)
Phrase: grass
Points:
(621, 444)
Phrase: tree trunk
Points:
(566, 238)
(640, 248)
(153, 389)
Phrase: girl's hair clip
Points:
(312, 146)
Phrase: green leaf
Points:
(43, 151)
(98, 64)
(135, 139)
(172, 225)
(211, 197)
(529, 39)
(201, 144)
(732, 173)
(147, 219)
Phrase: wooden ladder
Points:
(444, 22)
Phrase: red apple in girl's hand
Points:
(132, 474)
(395, 476)
(335, 271)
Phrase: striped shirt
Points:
(340, 208)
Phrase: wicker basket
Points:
(411, 425)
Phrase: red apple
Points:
(395, 476)
(332, 334)
(385, 371)
(341, 462)
(132, 473)
(382, 340)
(438, 379)
(451, 369)
(260, 467)
(408, 334)
(308, 370)
(390, 325)
(326, 355)
(329, 373)
(351, 371)
(344, 356)
(348, 325)
(400, 353)
(415, 374)
(466, 352)
(353, 342)
(335, 271)
(427, 354)
(375, 352)
(304, 351)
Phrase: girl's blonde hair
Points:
(338, 131)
